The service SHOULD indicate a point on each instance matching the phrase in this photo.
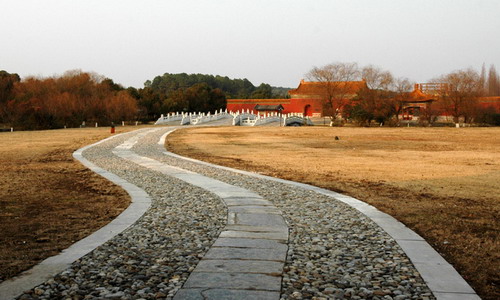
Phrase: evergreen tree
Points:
(493, 82)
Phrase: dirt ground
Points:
(444, 183)
(48, 200)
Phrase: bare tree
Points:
(402, 87)
(336, 90)
(376, 78)
(428, 114)
(459, 99)
(377, 99)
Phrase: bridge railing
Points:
(203, 118)
(243, 118)
(193, 118)
(296, 119)
(171, 117)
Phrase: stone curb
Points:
(11, 288)
(441, 278)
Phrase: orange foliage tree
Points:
(69, 100)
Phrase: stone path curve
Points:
(246, 261)
(333, 251)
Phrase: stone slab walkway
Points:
(279, 239)
(247, 259)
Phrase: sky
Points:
(270, 41)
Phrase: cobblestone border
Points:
(53, 265)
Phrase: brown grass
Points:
(47, 199)
(444, 183)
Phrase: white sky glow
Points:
(271, 41)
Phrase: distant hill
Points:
(280, 92)
(232, 88)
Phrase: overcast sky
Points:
(269, 41)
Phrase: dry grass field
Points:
(444, 183)
(48, 200)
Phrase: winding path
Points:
(267, 239)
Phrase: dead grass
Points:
(444, 183)
(47, 199)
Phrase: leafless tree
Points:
(336, 90)
(459, 99)
(428, 114)
(401, 87)
(376, 78)
(377, 99)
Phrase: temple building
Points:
(308, 99)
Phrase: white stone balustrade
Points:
(243, 118)
(203, 118)
(298, 119)
(171, 117)
(193, 118)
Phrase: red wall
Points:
(289, 105)
(299, 105)
(490, 102)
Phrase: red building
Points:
(493, 102)
(307, 99)
(425, 94)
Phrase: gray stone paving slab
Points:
(240, 266)
(234, 281)
(256, 228)
(260, 219)
(246, 253)
(421, 252)
(231, 193)
(231, 218)
(456, 296)
(243, 201)
(396, 229)
(11, 288)
(283, 236)
(225, 294)
(251, 209)
(250, 243)
(443, 278)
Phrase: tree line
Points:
(77, 97)
(490, 83)
(66, 101)
(385, 96)
(196, 92)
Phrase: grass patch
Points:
(48, 200)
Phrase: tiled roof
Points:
(418, 95)
(491, 99)
(315, 88)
